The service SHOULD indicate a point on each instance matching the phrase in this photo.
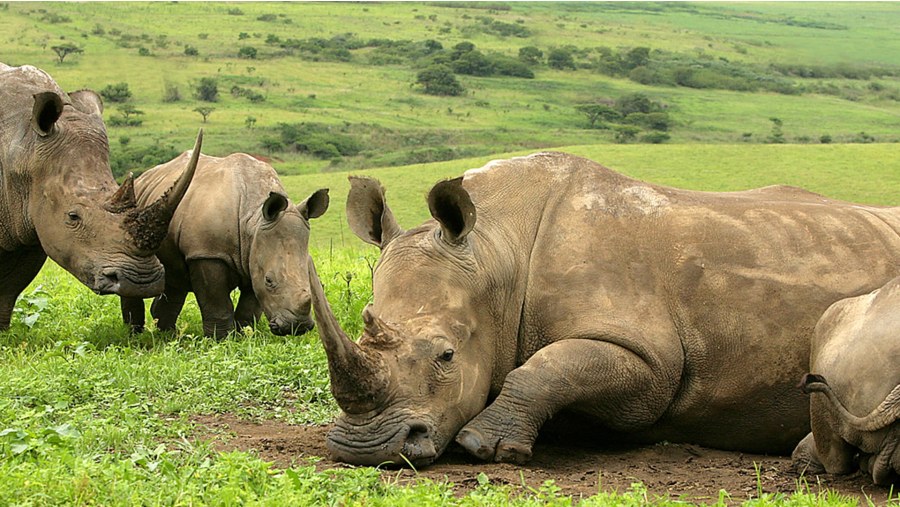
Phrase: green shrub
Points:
(247, 52)
(116, 93)
(439, 80)
(207, 89)
(561, 59)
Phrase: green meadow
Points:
(91, 415)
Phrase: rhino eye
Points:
(270, 283)
(447, 355)
(73, 217)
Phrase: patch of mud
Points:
(677, 470)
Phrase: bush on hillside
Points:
(207, 89)
(118, 92)
(439, 80)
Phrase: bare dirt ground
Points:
(677, 470)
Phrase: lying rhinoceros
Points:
(662, 314)
(58, 196)
(854, 364)
(235, 228)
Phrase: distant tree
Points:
(626, 133)
(118, 92)
(776, 136)
(432, 46)
(250, 122)
(825, 139)
(207, 89)
(171, 93)
(190, 50)
(66, 49)
(636, 103)
(598, 112)
(461, 49)
(636, 57)
(129, 110)
(439, 80)
(531, 55)
(473, 63)
(204, 111)
(142, 51)
(270, 144)
(561, 59)
(247, 52)
(129, 117)
(243, 35)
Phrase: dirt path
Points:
(678, 470)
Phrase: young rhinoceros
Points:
(235, 228)
(854, 360)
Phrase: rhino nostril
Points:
(111, 274)
(419, 444)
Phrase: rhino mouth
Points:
(296, 326)
(127, 282)
(407, 443)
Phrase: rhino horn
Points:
(124, 198)
(148, 226)
(358, 376)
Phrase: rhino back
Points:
(857, 348)
(717, 284)
(221, 209)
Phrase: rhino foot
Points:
(494, 448)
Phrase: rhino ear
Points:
(315, 205)
(275, 204)
(368, 214)
(87, 101)
(48, 107)
(452, 207)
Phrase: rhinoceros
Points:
(657, 313)
(59, 198)
(235, 227)
(853, 364)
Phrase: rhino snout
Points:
(282, 327)
(116, 280)
(406, 444)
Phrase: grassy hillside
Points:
(835, 67)
(861, 173)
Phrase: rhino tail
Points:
(883, 415)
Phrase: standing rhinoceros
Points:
(58, 196)
(663, 314)
(854, 363)
(234, 228)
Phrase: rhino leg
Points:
(17, 269)
(133, 313)
(167, 306)
(248, 308)
(213, 281)
(805, 458)
(834, 453)
(604, 379)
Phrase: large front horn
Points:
(358, 376)
(149, 226)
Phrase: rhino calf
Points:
(58, 198)
(235, 228)
(854, 360)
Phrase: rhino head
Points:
(423, 365)
(279, 255)
(83, 220)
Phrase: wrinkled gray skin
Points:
(58, 196)
(235, 228)
(661, 314)
(853, 362)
